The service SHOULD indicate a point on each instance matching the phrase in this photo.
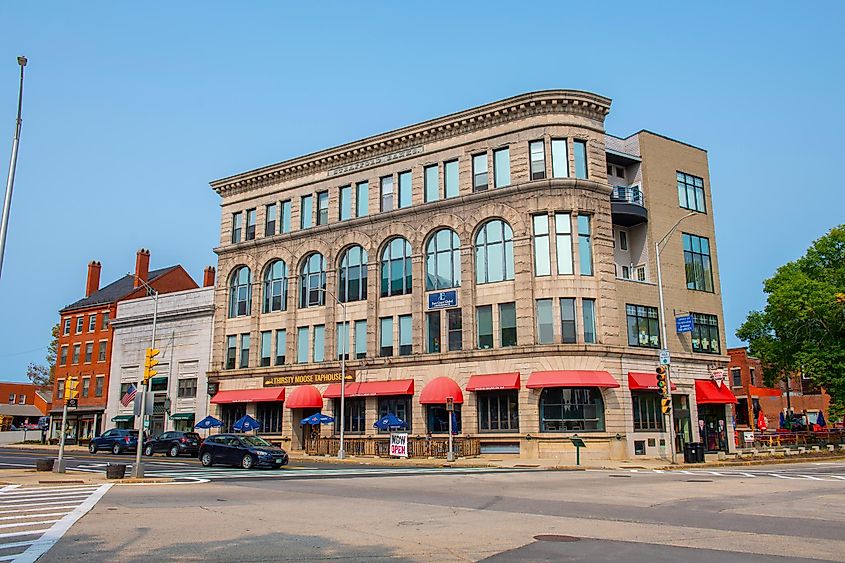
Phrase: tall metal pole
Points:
(341, 453)
(138, 468)
(60, 463)
(10, 180)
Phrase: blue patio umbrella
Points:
(389, 421)
(781, 420)
(820, 420)
(317, 418)
(246, 423)
(208, 422)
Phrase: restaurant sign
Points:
(399, 444)
(307, 378)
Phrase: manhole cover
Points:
(555, 537)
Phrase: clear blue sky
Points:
(130, 112)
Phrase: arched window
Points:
(396, 268)
(240, 292)
(352, 277)
(494, 252)
(276, 287)
(443, 261)
(571, 409)
(312, 281)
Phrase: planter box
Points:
(44, 464)
(116, 471)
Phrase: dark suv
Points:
(174, 444)
(116, 440)
(241, 451)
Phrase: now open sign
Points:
(399, 444)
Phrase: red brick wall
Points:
(26, 389)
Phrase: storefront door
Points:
(681, 420)
(713, 428)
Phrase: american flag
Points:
(129, 396)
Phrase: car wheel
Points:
(148, 450)
(205, 459)
(92, 448)
(247, 462)
(174, 451)
(115, 449)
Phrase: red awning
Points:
(494, 381)
(305, 397)
(571, 378)
(707, 392)
(371, 389)
(263, 395)
(765, 392)
(644, 381)
(436, 391)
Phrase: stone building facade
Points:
(492, 248)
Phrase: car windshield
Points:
(256, 441)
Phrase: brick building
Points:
(20, 403)
(502, 256)
(85, 340)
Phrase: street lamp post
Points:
(138, 468)
(341, 453)
(10, 180)
(663, 336)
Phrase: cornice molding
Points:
(575, 102)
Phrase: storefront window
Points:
(570, 409)
(438, 419)
(647, 414)
(270, 417)
(498, 411)
(354, 410)
(399, 406)
(229, 414)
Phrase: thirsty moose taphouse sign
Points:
(314, 378)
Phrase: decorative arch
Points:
(396, 276)
(275, 288)
(312, 280)
(442, 259)
(240, 292)
(352, 274)
(493, 252)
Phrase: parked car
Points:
(174, 444)
(241, 451)
(116, 440)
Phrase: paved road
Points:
(833, 472)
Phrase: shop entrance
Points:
(307, 435)
(713, 428)
(682, 421)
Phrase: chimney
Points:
(142, 266)
(93, 283)
(208, 276)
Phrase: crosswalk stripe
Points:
(39, 515)
(17, 544)
(21, 524)
(19, 510)
(39, 496)
(26, 533)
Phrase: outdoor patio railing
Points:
(419, 446)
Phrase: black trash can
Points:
(689, 452)
(699, 452)
(115, 471)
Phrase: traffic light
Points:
(149, 363)
(661, 380)
(665, 405)
(71, 391)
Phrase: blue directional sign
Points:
(443, 299)
(684, 323)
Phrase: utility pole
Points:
(10, 180)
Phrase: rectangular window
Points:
(399, 406)
(80, 322)
(105, 322)
(270, 219)
(563, 242)
(354, 414)
(187, 388)
(568, 329)
(302, 345)
(626, 272)
(63, 356)
(98, 385)
(736, 376)
(691, 192)
(450, 178)
(281, 346)
(405, 189)
(322, 208)
(101, 351)
(306, 212)
(86, 387)
(455, 328)
(60, 389)
(386, 193)
(319, 345)
(92, 322)
(66, 329)
(362, 199)
(89, 352)
(580, 150)
(361, 339)
(498, 411)
(545, 322)
(76, 350)
(405, 339)
(250, 224)
(623, 240)
(266, 347)
(537, 152)
(345, 210)
(640, 273)
(342, 340)
(269, 415)
(386, 336)
(697, 262)
(237, 226)
(751, 374)
(643, 329)
(231, 351)
(432, 332)
(705, 334)
(12, 397)
(431, 183)
(479, 172)
(542, 263)
(484, 321)
(647, 413)
(502, 167)
(585, 251)
(507, 324)
(244, 350)
(589, 314)
(560, 159)
(285, 227)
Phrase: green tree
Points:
(43, 375)
(802, 327)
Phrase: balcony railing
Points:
(627, 194)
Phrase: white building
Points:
(183, 334)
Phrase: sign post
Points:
(578, 443)
(60, 463)
(450, 408)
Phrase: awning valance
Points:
(182, 416)
(571, 378)
(494, 381)
(371, 389)
(438, 389)
(305, 397)
(263, 395)
(122, 418)
(707, 392)
(765, 392)
(644, 381)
